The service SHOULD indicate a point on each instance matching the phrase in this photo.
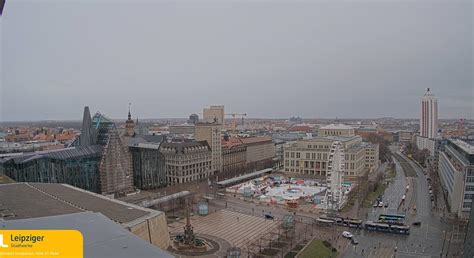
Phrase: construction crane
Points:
(234, 119)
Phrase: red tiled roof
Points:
(231, 142)
(258, 139)
(65, 136)
(301, 128)
(43, 137)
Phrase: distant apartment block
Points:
(404, 136)
(214, 114)
(183, 129)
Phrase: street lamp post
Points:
(444, 240)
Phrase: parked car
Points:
(354, 241)
(380, 204)
(269, 216)
(347, 234)
(386, 205)
(376, 204)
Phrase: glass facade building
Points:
(96, 161)
(456, 170)
(77, 166)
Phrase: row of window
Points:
(315, 156)
(470, 188)
(315, 173)
(312, 156)
(467, 205)
(318, 146)
(311, 164)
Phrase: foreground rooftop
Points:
(32, 200)
(102, 237)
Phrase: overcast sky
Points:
(315, 59)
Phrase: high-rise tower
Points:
(429, 115)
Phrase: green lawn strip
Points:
(317, 249)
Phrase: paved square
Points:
(236, 228)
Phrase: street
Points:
(424, 241)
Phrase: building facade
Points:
(279, 153)
(96, 161)
(211, 133)
(260, 150)
(234, 156)
(469, 239)
(186, 129)
(148, 163)
(214, 114)
(336, 130)
(371, 156)
(187, 161)
(77, 166)
(405, 136)
(429, 115)
(311, 156)
(115, 168)
(149, 168)
(456, 170)
(423, 143)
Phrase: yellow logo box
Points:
(41, 243)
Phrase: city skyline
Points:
(310, 59)
(237, 128)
